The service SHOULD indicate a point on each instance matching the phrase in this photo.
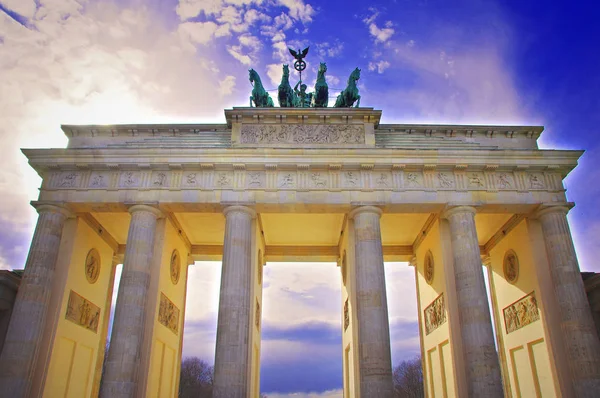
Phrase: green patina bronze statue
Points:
(350, 93)
(285, 94)
(261, 98)
(299, 98)
(320, 97)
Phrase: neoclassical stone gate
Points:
(296, 185)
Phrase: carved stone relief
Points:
(435, 314)
(536, 181)
(504, 181)
(429, 267)
(255, 179)
(351, 179)
(129, 179)
(521, 313)
(99, 180)
(175, 266)
(445, 180)
(346, 315)
(257, 316)
(475, 180)
(382, 180)
(92, 266)
(168, 313)
(159, 179)
(511, 266)
(82, 312)
(302, 134)
(414, 179)
(319, 180)
(286, 179)
(69, 179)
(223, 179)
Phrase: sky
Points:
(179, 61)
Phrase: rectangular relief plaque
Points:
(521, 313)
(83, 312)
(168, 313)
(303, 134)
(435, 314)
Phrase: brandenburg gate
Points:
(294, 184)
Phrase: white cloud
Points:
(187, 9)
(274, 72)
(281, 52)
(250, 41)
(251, 16)
(381, 35)
(380, 66)
(236, 52)
(283, 22)
(227, 85)
(198, 32)
(299, 10)
(330, 50)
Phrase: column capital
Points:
(238, 208)
(486, 260)
(413, 261)
(52, 207)
(365, 209)
(451, 210)
(553, 208)
(146, 207)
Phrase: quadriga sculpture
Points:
(285, 94)
(321, 94)
(259, 96)
(350, 93)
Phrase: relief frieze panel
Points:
(82, 312)
(302, 134)
(435, 314)
(307, 178)
(521, 313)
(168, 314)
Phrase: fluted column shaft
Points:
(375, 363)
(579, 334)
(231, 354)
(24, 333)
(483, 367)
(123, 360)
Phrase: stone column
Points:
(375, 363)
(579, 333)
(483, 367)
(120, 379)
(231, 354)
(24, 333)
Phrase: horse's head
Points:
(322, 67)
(355, 75)
(252, 75)
(286, 70)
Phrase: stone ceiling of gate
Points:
(290, 229)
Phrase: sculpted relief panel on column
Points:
(435, 314)
(521, 313)
(368, 177)
(168, 313)
(302, 134)
(83, 312)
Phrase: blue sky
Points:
(425, 61)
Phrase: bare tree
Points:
(196, 378)
(408, 379)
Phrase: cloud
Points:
(227, 85)
(275, 72)
(198, 32)
(298, 10)
(25, 8)
(379, 66)
(187, 9)
(381, 35)
(331, 50)
(236, 52)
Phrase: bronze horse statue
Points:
(285, 94)
(350, 94)
(321, 94)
